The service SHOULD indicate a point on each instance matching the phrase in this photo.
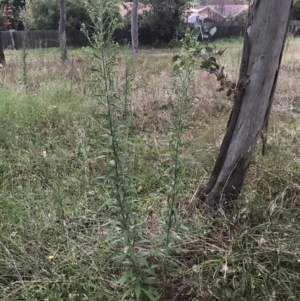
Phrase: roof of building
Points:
(223, 11)
(228, 10)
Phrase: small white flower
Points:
(196, 268)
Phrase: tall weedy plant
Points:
(183, 73)
(126, 225)
(127, 89)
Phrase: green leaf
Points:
(131, 252)
(153, 296)
(143, 262)
(221, 76)
(229, 92)
(124, 277)
(212, 59)
(175, 68)
(119, 259)
(137, 290)
(233, 85)
(97, 56)
(206, 64)
(121, 195)
(220, 52)
(127, 293)
(150, 272)
(175, 58)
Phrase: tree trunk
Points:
(2, 56)
(176, 20)
(263, 46)
(62, 30)
(134, 27)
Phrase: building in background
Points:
(218, 13)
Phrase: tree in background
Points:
(134, 27)
(296, 10)
(25, 16)
(2, 16)
(12, 18)
(46, 14)
(165, 20)
(2, 56)
(62, 30)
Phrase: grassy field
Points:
(54, 244)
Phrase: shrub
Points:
(45, 14)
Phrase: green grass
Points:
(51, 138)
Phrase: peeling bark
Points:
(263, 47)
